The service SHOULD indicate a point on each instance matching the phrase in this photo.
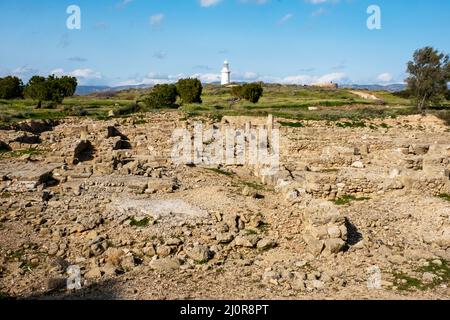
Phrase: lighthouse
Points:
(226, 73)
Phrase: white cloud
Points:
(207, 77)
(385, 77)
(332, 77)
(209, 3)
(286, 18)
(84, 76)
(249, 76)
(123, 3)
(318, 12)
(321, 1)
(24, 71)
(156, 19)
(161, 55)
(255, 1)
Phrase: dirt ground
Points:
(352, 213)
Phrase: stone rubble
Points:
(105, 196)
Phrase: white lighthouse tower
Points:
(226, 73)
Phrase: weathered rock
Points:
(165, 264)
(271, 277)
(315, 246)
(128, 262)
(163, 251)
(358, 165)
(149, 251)
(199, 253)
(225, 238)
(93, 273)
(266, 244)
(248, 241)
(114, 256)
(56, 283)
(334, 245)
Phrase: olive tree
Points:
(429, 73)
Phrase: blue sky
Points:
(155, 41)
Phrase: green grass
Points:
(405, 282)
(27, 267)
(15, 255)
(329, 171)
(141, 223)
(283, 101)
(20, 153)
(351, 124)
(264, 227)
(254, 185)
(292, 124)
(4, 296)
(250, 232)
(444, 196)
(220, 171)
(5, 195)
(347, 199)
(12, 111)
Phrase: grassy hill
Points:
(288, 101)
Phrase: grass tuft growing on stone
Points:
(20, 153)
(139, 223)
(292, 124)
(220, 171)
(347, 199)
(444, 196)
(440, 270)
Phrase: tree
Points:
(36, 89)
(11, 88)
(252, 92)
(162, 96)
(52, 88)
(190, 90)
(429, 74)
(68, 86)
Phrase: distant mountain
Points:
(86, 90)
(372, 87)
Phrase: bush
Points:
(252, 92)
(162, 96)
(50, 89)
(190, 90)
(128, 109)
(236, 91)
(405, 94)
(11, 88)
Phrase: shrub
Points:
(190, 90)
(236, 91)
(252, 92)
(50, 89)
(128, 109)
(429, 74)
(162, 96)
(405, 94)
(11, 88)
